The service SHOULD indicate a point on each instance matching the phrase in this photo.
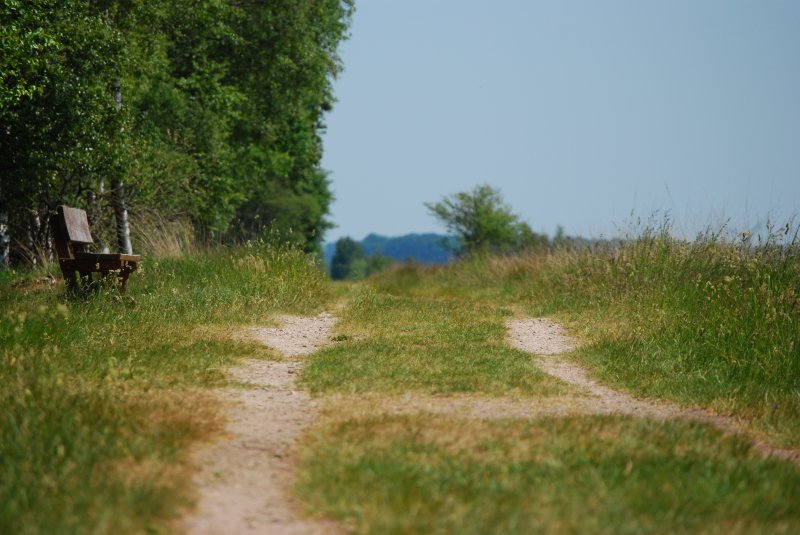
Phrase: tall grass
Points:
(99, 397)
(154, 235)
(712, 321)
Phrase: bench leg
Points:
(72, 283)
(87, 282)
(123, 275)
(81, 283)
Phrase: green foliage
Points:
(483, 223)
(350, 263)
(222, 106)
(59, 123)
(99, 397)
(348, 252)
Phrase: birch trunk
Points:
(5, 241)
(120, 210)
(121, 215)
(34, 239)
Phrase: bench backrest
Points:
(70, 231)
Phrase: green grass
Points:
(429, 475)
(395, 344)
(706, 322)
(100, 398)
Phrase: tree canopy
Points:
(348, 253)
(208, 110)
(483, 223)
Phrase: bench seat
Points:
(108, 257)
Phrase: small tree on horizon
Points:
(484, 223)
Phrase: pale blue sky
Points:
(579, 111)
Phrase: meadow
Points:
(707, 323)
(710, 322)
(103, 397)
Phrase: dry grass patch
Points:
(341, 407)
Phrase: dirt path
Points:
(547, 340)
(246, 477)
(245, 480)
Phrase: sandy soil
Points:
(245, 480)
(546, 340)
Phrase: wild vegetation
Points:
(483, 223)
(712, 323)
(204, 118)
(207, 113)
(707, 321)
(101, 398)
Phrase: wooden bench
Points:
(72, 238)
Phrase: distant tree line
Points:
(351, 259)
(427, 248)
(479, 222)
(204, 110)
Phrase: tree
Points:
(202, 110)
(292, 44)
(59, 123)
(483, 223)
(350, 262)
(347, 260)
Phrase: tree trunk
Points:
(121, 215)
(34, 238)
(5, 240)
(120, 211)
